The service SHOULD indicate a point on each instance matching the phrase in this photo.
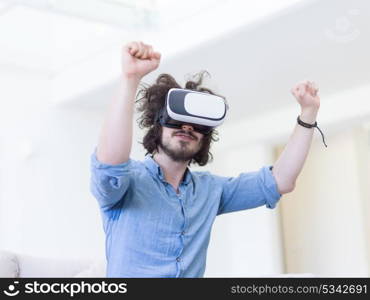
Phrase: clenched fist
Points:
(306, 94)
(139, 59)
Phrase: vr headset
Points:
(203, 111)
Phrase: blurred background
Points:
(60, 67)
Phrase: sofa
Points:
(16, 265)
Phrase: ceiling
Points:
(256, 65)
(254, 50)
(53, 36)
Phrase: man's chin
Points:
(180, 155)
(180, 151)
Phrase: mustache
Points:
(186, 133)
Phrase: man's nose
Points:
(187, 127)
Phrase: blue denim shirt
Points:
(151, 231)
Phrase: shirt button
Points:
(178, 259)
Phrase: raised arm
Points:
(115, 140)
(290, 163)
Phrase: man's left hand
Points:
(306, 93)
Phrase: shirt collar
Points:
(156, 170)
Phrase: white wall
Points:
(21, 92)
(362, 144)
(45, 205)
(245, 243)
(324, 218)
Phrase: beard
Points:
(182, 154)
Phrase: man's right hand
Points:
(139, 59)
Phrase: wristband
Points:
(300, 122)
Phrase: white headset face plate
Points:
(202, 105)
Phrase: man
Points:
(157, 214)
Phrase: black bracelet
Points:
(300, 122)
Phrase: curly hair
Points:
(152, 98)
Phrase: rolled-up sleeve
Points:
(249, 190)
(109, 183)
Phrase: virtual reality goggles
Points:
(203, 111)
